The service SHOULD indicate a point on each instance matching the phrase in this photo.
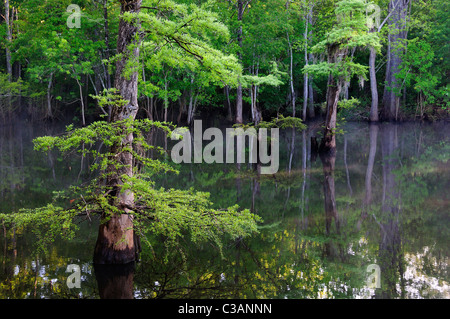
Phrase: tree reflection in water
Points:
(380, 198)
(115, 281)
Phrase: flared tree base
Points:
(115, 242)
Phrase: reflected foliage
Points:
(390, 196)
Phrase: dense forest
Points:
(274, 58)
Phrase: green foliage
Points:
(416, 71)
(185, 39)
(47, 223)
(283, 122)
(182, 36)
(9, 92)
(350, 31)
(53, 55)
(171, 213)
(177, 213)
(273, 79)
(348, 104)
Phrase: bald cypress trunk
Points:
(397, 26)
(115, 242)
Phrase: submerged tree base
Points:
(115, 242)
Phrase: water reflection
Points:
(115, 281)
(381, 198)
(331, 213)
(390, 253)
(373, 138)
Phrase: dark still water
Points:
(372, 222)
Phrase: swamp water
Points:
(372, 222)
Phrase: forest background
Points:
(50, 68)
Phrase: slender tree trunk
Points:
(194, 105)
(334, 88)
(166, 99)
(83, 119)
(311, 112)
(49, 97)
(190, 114)
(116, 240)
(407, 15)
(397, 27)
(306, 76)
(252, 108)
(228, 103)
(305, 95)
(8, 51)
(291, 75)
(8, 40)
(239, 102)
(329, 140)
(373, 87)
(256, 114)
(149, 106)
(182, 109)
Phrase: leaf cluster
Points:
(184, 36)
(284, 122)
(350, 32)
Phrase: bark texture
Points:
(116, 239)
(334, 88)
